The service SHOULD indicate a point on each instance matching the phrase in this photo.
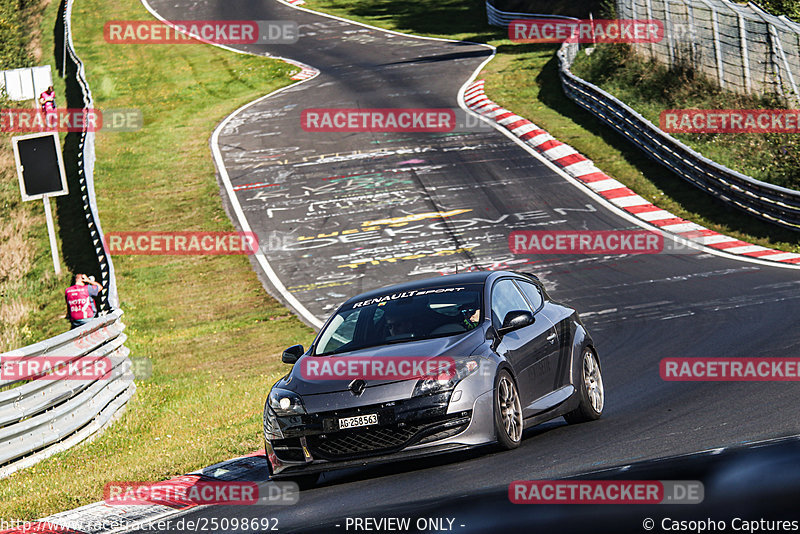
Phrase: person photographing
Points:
(81, 307)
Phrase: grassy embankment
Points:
(212, 333)
(30, 293)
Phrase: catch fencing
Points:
(772, 203)
(745, 49)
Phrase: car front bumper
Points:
(405, 429)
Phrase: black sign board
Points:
(40, 166)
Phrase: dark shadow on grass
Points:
(573, 8)
(685, 194)
(445, 17)
(444, 57)
(76, 243)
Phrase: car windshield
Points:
(402, 316)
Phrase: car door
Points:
(524, 347)
(545, 370)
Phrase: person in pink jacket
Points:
(81, 307)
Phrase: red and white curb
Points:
(101, 517)
(305, 73)
(583, 170)
(295, 2)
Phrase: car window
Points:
(532, 293)
(505, 298)
(340, 332)
(403, 316)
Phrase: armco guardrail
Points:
(41, 417)
(772, 203)
(44, 415)
(75, 74)
(503, 18)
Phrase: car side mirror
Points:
(514, 320)
(292, 354)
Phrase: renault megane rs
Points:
(431, 366)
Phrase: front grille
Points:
(343, 444)
(386, 439)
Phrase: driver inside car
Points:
(400, 326)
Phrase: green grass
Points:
(31, 296)
(212, 333)
(650, 87)
(524, 78)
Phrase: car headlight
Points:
(446, 381)
(284, 402)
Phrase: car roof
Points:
(473, 277)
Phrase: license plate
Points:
(359, 420)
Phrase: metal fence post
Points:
(669, 29)
(692, 28)
(745, 53)
(650, 17)
(717, 50)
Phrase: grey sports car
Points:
(431, 366)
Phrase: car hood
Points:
(456, 347)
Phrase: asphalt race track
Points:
(340, 213)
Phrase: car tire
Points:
(508, 423)
(590, 390)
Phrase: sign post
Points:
(40, 169)
(51, 232)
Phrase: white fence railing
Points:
(46, 415)
(742, 47)
(503, 18)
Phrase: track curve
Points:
(324, 199)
